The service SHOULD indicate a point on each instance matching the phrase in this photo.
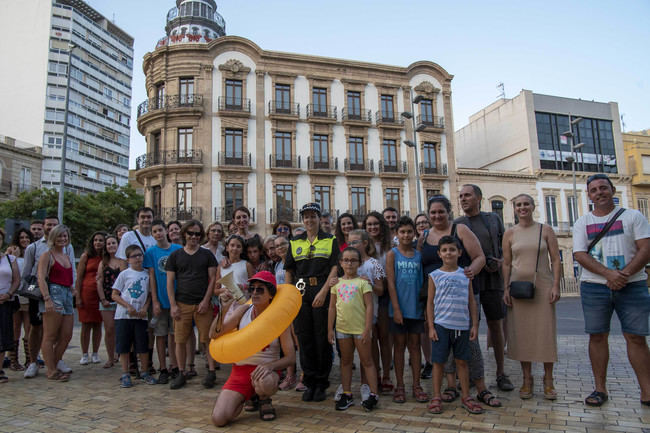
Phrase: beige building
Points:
(637, 151)
(228, 124)
(20, 167)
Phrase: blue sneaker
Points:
(125, 381)
(148, 379)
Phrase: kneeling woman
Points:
(257, 374)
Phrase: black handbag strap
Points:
(539, 247)
(140, 240)
(605, 229)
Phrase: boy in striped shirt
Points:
(450, 303)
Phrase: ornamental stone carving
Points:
(427, 88)
(234, 66)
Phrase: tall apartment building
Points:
(228, 124)
(61, 38)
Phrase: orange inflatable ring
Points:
(274, 320)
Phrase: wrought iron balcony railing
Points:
(389, 117)
(320, 111)
(358, 115)
(431, 121)
(170, 157)
(359, 164)
(284, 161)
(393, 167)
(226, 213)
(282, 213)
(322, 163)
(169, 102)
(182, 213)
(235, 159)
(284, 108)
(428, 168)
(234, 104)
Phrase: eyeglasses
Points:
(349, 261)
(197, 234)
(135, 256)
(256, 289)
(355, 242)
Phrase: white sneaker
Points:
(365, 391)
(31, 371)
(63, 368)
(82, 361)
(338, 393)
(95, 358)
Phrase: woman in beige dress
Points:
(531, 322)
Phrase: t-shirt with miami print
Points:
(617, 248)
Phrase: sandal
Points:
(435, 406)
(486, 397)
(252, 405)
(504, 383)
(267, 412)
(596, 398)
(288, 383)
(471, 406)
(549, 390)
(399, 396)
(420, 395)
(450, 395)
(526, 390)
(109, 364)
(386, 385)
(3, 377)
(58, 376)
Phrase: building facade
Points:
(637, 152)
(228, 124)
(71, 43)
(20, 167)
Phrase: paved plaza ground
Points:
(93, 402)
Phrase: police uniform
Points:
(313, 262)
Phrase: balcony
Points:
(563, 228)
(153, 159)
(356, 117)
(284, 163)
(430, 122)
(321, 113)
(283, 110)
(359, 167)
(225, 213)
(323, 165)
(389, 119)
(358, 214)
(393, 169)
(182, 213)
(284, 214)
(235, 161)
(432, 171)
(172, 102)
(235, 107)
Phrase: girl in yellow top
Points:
(351, 307)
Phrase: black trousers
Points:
(7, 342)
(315, 351)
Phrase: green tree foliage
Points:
(84, 214)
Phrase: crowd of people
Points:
(381, 286)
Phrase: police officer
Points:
(312, 257)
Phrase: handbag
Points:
(29, 287)
(526, 289)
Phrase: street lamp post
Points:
(413, 144)
(59, 213)
(572, 160)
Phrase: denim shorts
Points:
(449, 339)
(61, 297)
(631, 303)
(111, 307)
(342, 335)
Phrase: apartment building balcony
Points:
(283, 110)
(428, 171)
(321, 113)
(284, 164)
(393, 169)
(234, 107)
(359, 167)
(225, 214)
(430, 123)
(389, 120)
(356, 117)
(181, 213)
(284, 214)
(323, 166)
(172, 104)
(235, 161)
(172, 161)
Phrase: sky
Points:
(593, 50)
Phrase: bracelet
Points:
(46, 298)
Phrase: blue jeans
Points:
(631, 303)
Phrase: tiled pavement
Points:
(93, 402)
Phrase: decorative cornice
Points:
(234, 66)
(489, 173)
(427, 88)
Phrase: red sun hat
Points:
(264, 276)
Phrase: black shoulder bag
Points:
(526, 289)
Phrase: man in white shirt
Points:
(613, 278)
(140, 237)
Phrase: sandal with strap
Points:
(59, 376)
(450, 395)
(267, 411)
(253, 404)
(108, 364)
(386, 385)
(288, 383)
(526, 390)
(596, 399)
(486, 397)
(399, 396)
(549, 390)
(435, 406)
(471, 406)
(420, 395)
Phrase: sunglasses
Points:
(355, 242)
(196, 234)
(283, 229)
(256, 289)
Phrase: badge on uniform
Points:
(298, 250)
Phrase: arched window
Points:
(497, 207)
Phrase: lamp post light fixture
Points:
(572, 160)
(413, 144)
(71, 47)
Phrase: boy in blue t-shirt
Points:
(450, 303)
(405, 279)
(154, 261)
